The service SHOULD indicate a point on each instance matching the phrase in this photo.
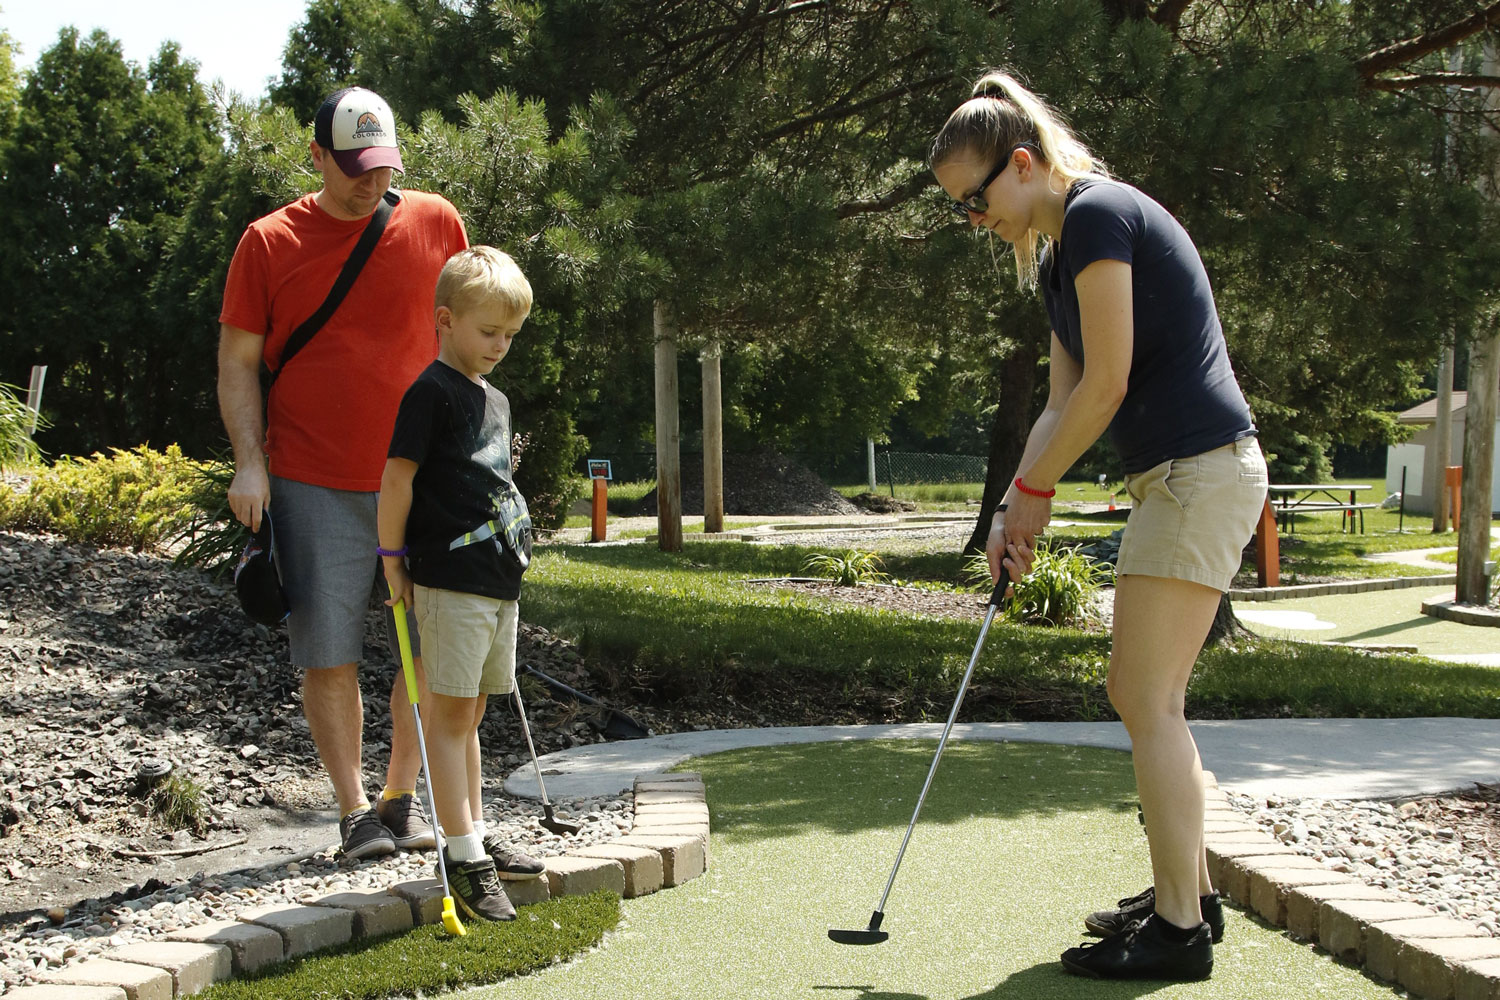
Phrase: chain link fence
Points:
(892, 468)
(909, 468)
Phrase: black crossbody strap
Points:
(356, 262)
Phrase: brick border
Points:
(667, 845)
(1427, 953)
(1341, 587)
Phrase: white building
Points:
(1419, 459)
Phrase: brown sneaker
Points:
(362, 835)
(404, 817)
(510, 863)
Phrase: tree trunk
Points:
(713, 441)
(1479, 420)
(1008, 432)
(1479, 448)
(668, 446)
(1227, 625)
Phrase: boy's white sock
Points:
(480, 829)
(469, 847)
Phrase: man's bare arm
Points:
(243, 409)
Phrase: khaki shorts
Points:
(1191, 517)
(468, 642)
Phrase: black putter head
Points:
(870, 935)
(551, 822)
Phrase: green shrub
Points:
(1056, 591)
(16, 445)
(848, 568)
(135, 498)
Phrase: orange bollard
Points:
(600, 508)
(1453, 475)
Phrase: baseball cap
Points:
(356, 126)
(257, 581)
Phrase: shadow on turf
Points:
(1043, 981)
(850, 787)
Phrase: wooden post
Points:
(1267, 549)
(1443, 443)
(668, 443)
(713, 440)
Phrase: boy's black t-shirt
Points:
(1181, 398)
(459, 434)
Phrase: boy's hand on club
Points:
(398, 580)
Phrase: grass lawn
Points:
(686, 626)
(426, 960)
(1016, 843)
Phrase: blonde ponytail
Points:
(1002, 114)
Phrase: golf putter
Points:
(403, 639)
(549, 821)
(873, 934)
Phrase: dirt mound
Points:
(759, 483)
(877, 503)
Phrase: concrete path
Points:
(1300, 758)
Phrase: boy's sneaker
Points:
(1139, 907)
(477, 891)
(510, 863)
(363, 835)
(409, 828)
(1143, 950)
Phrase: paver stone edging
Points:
(654, 856)
(1432, 956)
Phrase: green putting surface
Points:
(1017, 842)
(1377, 617)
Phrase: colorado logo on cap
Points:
(368, 126)
(357, 129)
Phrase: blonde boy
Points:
(455, 538)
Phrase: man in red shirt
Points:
(325, 431)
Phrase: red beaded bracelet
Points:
(1044, 494)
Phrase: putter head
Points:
(451, 923)
(551, 822)
(870, 935)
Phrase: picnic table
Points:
(1291, 499)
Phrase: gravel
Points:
(47, 941)
(110, 659)
(1439, 851)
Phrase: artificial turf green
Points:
(1015, 844)
(427, 960)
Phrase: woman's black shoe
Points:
(1139, 907)
(1143, 951)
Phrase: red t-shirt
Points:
(331, 412)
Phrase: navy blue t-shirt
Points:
(458, 432)
(1181, 398)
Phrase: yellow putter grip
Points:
(403, 640)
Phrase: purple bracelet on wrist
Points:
(390, 552)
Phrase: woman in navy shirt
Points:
(1136, 349)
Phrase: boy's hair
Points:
(1000, 115)
(481, 274)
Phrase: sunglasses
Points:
(977, 203)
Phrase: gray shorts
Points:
(1191, 517)
(325, 545)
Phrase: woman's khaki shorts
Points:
(468, 642)
(1191, 517)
